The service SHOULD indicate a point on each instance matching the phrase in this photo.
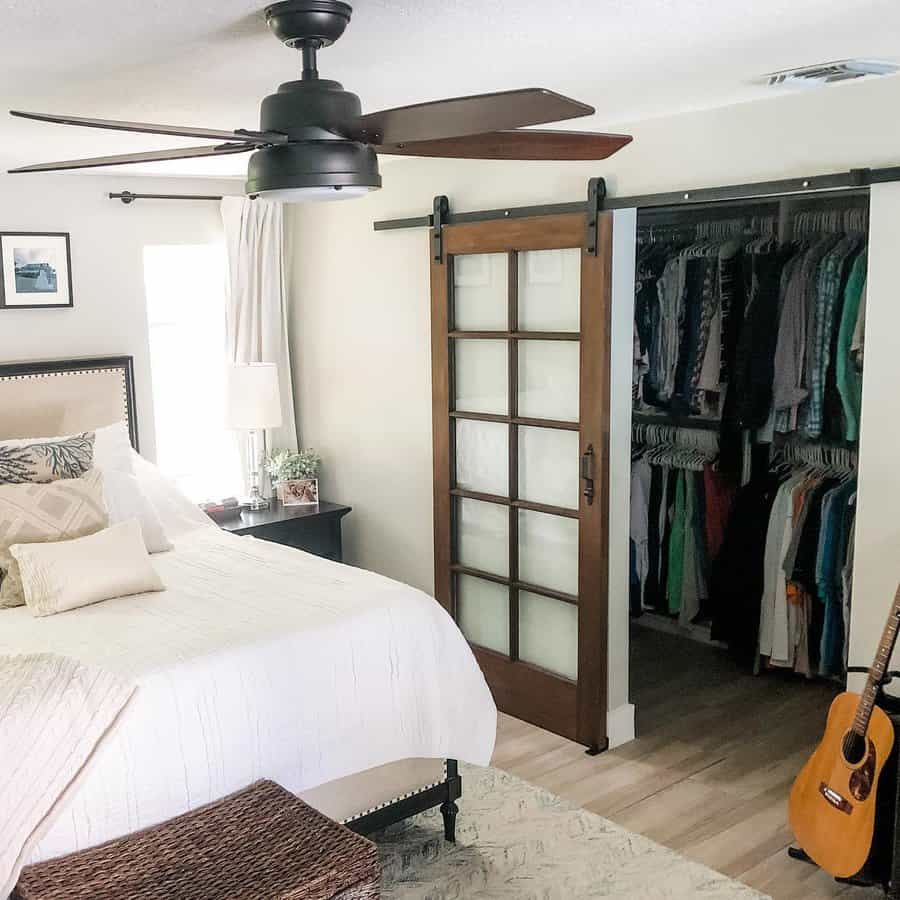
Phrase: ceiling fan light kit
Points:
(314, 142)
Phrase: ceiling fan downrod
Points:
(310, 48)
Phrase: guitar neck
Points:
(879, 667)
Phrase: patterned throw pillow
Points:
(26, 462)
(32, 513)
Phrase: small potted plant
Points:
(293, 474)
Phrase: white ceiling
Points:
(209, 62)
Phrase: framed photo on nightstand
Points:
(37, 270)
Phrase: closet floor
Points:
(710, 771)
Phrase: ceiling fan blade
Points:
(123, 159)
(524, 144)
(250, 137)
(459, 116)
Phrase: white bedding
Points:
(258, 661)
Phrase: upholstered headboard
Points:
(65, 396)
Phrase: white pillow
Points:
(125, 500)
(179, 516)
(65, 575)
(112, 448)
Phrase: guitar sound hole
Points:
(854, 748)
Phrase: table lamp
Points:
(253, 403)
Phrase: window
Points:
(185, 286)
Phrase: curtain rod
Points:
(811, 186)
(127, 197)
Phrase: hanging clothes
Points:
(694, 592)
(737, 575)
(639, 531)
(675, 575)
(774, 627)
(831, 276)
(758, 335)
(849, 375)
(750, 395)
(766, 339)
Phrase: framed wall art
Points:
(37, 270)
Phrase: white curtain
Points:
(256, 304)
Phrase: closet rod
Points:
(814, 184)
(675, 421)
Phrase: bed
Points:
(259, 661)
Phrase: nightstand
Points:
(316, 529)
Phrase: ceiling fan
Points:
(315, 143)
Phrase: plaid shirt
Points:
(827, 296)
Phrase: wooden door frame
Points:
(579, 713)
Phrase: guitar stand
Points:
(889, 877)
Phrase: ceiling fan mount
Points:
(315, 142)
(298, 23)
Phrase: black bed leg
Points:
(449, 809)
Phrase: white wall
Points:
(107, 241)
(876, 571)
(360, 299)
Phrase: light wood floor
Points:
(710, 771)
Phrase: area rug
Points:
(516, 840)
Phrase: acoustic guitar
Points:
(832, 803)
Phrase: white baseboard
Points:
(620, 725)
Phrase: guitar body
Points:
(832, 803)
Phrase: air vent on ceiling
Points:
(829, 73)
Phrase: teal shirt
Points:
(849, 378)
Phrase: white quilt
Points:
(258, 661)
(54, 713)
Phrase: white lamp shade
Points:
(252, 398)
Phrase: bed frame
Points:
(55, 397)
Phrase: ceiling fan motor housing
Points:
(316, 115)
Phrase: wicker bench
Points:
(261, 843)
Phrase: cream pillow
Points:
(30, 513)
(68, 574)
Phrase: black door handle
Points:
(587, 473)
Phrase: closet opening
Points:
(748, 335)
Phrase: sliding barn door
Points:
(520, 366)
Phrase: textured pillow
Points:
(31, 513)
(67, 574)
(125, 500)
(112, 447)
(38, 460)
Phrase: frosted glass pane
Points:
(482, 535)
(548, 380)
(548, 466)
(548, 551)
(548, 634)
(482, 609)
(550, 290)
(482, 456)
(481, 376)
(480, 297)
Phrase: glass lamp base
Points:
(257, 501)
(256, 443)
